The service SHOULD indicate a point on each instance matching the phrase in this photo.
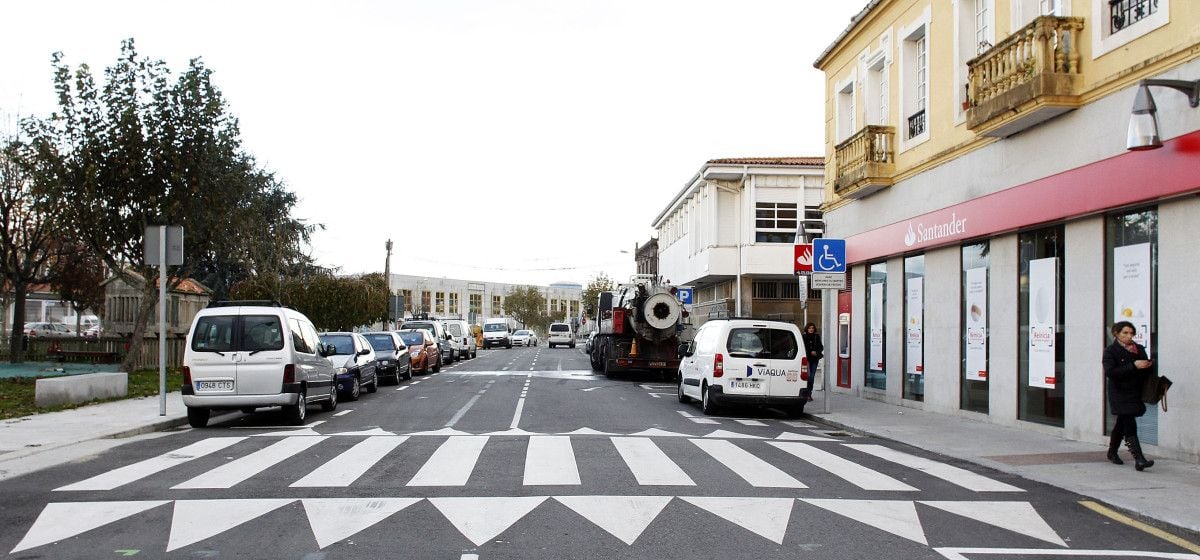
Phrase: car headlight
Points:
(342, 370)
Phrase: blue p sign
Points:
(684, 295)
(829, 255)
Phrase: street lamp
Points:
(1143, 122)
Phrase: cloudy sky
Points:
(512, 141)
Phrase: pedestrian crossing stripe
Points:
(549, 460)
(481, 519)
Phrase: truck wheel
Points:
(197, 417)
(706, 403)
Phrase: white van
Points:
(461, 337)
(498, 332)
(744, 361)
(247, 356)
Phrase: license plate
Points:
(658, 364)
(792, 376)
(745, 384)
(214, 385)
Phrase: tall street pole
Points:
(387, 278)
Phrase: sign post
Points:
(829, 275)
(164, 246)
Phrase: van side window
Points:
(298, 337)
(214, 333)
(772, 344)
(261, 332)
(310, 336)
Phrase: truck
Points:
(498, 331)
(638, 328)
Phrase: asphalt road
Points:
(523, 453)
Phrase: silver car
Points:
(524, 337)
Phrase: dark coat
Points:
(1124, 380)
(812, 343)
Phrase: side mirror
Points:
(326, 350)
(685, 349)
(364, 352)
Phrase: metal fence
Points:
(38, 350)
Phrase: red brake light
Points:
(718, 365)
(289, 373)
(619, 321)
(187, 375)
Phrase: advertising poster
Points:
(914, 329)
(876, 335)
(1131, 289)
(976, 317)
(1043, 316)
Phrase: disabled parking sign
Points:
(829, 255)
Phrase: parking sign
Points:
(684, 295)
(829, 255)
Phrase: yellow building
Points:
(979, 165)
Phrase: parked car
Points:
(247, 356)
(48, 330)
(743, 361)
(525, 337)
(439, 333)
(355, 361)
(422, 350)
(93, 332)
(392, 355)
(462, 337)
(560, 333)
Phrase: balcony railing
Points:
(916, 124)
(865, 162)
(1039, 63)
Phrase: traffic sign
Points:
(827, 281)
(684, 295)
(829, 255)
(803, 258)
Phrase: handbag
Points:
(1154, 390)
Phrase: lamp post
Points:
(1143, 121)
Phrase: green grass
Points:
(16, 393)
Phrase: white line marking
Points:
(963, 553)
(750, 422)
(141, 469)
(458, 415)
(650, 466)
(344, 469)
(759, 473)
(704, 420)
(850, 471)
(231, 473)
(550, 460)
(685, 413)
(949, 473)
(402, 388)
(344, 412)
(452, 463)
(517, 415)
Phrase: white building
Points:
(474, 300)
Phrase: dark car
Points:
(391, 355)
(354, 359)
(422, 350)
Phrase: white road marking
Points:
(402, 388)
(624, 517)
(549, 461)
(898, 517)
(952, 553)
(344, 412)
(750, 422)
(757, 472)
(196, 520)
(767, 517)
(59, 522)
(344, 469)
(517, 414)
(1019, 517)
(481, 519)
(850, 471)
(685, 413)
(229, 474)
(452, 463)
(141, 469)
(949, 473)
(458, 415)
(650, 466)
(335, 519)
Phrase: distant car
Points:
(48, 330)
(355, 361)
(392, 355)
(422, 350)
(560, 334)
(524, 337)
(587, 346)
(93, 332)
(438, 330)
(462, 337)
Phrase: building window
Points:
(476, 303)
(440, 303)
(775, 222)
(1041, 358)
(914, 72)
(974, 326)
(846, 110)
(497, 309)
(408, 299)
(426, 301)
(766, 290)
(876, 375)
(1121, 21)
(876, 105)
(976, 34)
(1131, 291)
(789, 290)
(1123, 13)
(982, 27)
(914, 328)
(453, 304)
(916, 121)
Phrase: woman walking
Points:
(1126, 366)
(814, 350)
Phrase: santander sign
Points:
(922, 233)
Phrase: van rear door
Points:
(212, 360)
(262, 348)
(764, 360)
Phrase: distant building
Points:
(122, 301)
(646, 257)
(475, 301)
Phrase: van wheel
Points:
(706, 403)
(331, 403)
(682, 397)
(474, 352)
(296, 413)
(355, 389)
(197, 417)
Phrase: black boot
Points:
(1114, 444)
(1135, 448)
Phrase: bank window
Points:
(775, 222)
(974, 328)
(914, 328)
(876, 374)
(1131, 291)
(1041, 358)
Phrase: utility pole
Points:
(387, 278)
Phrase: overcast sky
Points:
(507, 141)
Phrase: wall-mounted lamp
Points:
(1143, 123)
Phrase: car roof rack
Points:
(245, 302)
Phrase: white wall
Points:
(1085, 328)
(1178, 308)
(943, 332)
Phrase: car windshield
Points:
(381, 342)
(759, 342)
(417, 325)
(522, 333)
(560, 328)
(495, 327)
(455, 329)
(412, 338)
(343, 344)
(215, 333)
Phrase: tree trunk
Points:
(16, 340)
(145, 310)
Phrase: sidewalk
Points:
(1168, 492)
